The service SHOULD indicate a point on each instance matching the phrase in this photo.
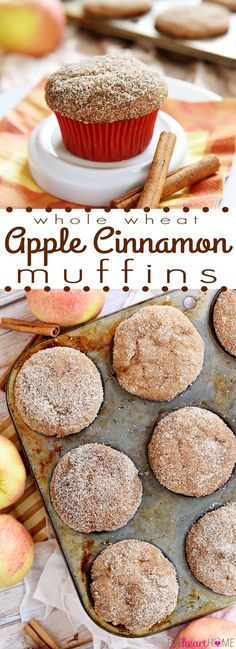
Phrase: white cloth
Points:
(49, 586)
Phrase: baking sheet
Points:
(126, 423)
(221, 49)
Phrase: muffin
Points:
(106, 106)
(133, 585)
(95, 488)
(58, 391)
(211, 550)
(192, 451)
(224, 318)
(157, 353)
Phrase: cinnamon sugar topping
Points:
(192, 451)
(95, 488)
(224, 318)
(157, 353)
(105, 89)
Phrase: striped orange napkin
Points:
(210, 128)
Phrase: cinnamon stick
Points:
(37, 633)
(154, 185)
(36, 328)
(79, 642)
(175, 181)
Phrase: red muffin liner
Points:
(107, 142)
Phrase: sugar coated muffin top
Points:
(157, 353)
(105, 89)
(224, 314)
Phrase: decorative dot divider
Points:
(145, 289)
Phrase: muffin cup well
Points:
(107, 142)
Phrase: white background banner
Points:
(116, 249)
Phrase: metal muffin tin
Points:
(220, 49)
(126, 423)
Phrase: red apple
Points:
(206, 632)
(66, 308)
(12, 474)
(33, 27)
(16, 551)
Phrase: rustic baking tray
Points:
(126, 422)
(219, 50)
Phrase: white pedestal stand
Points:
(94, 184)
